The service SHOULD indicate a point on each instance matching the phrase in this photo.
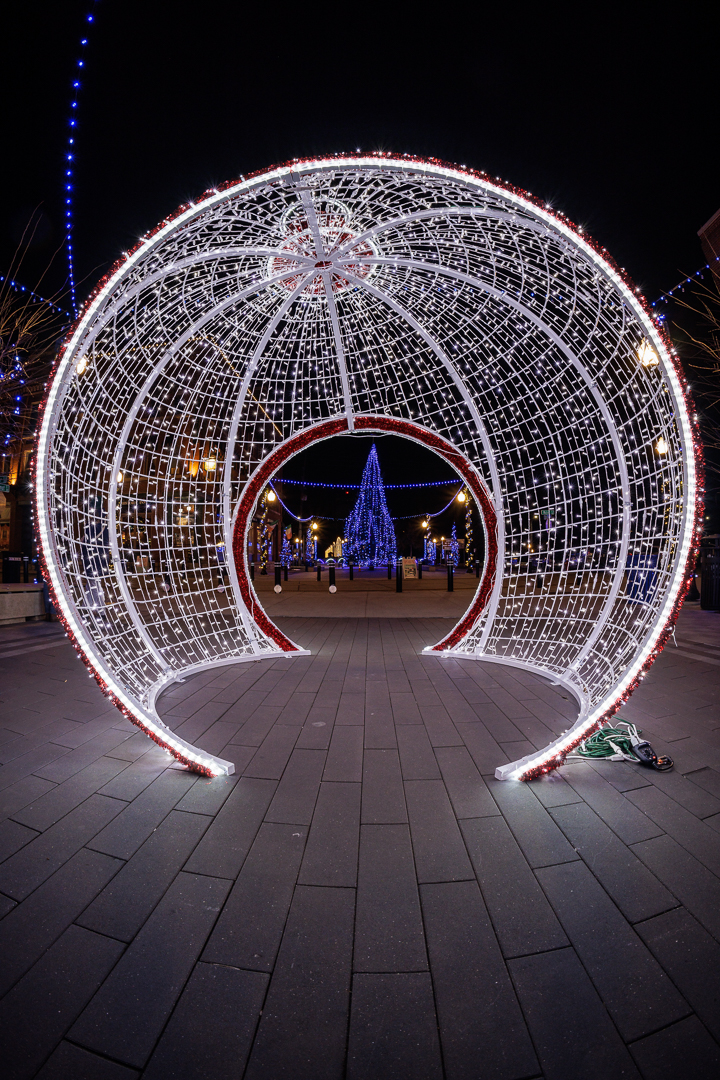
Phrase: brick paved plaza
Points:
(362, 899)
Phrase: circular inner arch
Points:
(321, 432)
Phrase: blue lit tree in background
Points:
(286, 550)
(454, 547)
(369, 531)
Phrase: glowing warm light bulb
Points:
(271, 496)
(462, 497)
(82, 365)
(119, 478)
(424, 524)
(661, 446)
(314, 525)
(647, 355)
(210, 463)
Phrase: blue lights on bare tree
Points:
(369, 531)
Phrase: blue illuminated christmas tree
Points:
(286, 552)
(369, 531)
(454, 547)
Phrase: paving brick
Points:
(24, 792)
(393, 1029)
(124, 835)
(331, 854)
(484, 750)
(125, 1018)
(379, 727)
(383, 796)
(294, 799)
(273, 755)
(123, 906)
(82, 756)
(248, 932)
(133, 748)
(388, 929)
(685, 1049)
(691, 957)
(210, 1033)
(467, 789)
(636, 991)
(404, 709)
(207, 794)
(351, 709)
(630, 824)
(571, 1030)
(55, 804)
(303, 1029)
(479, 1015)
(13, 837)
(438, 846)
(523, 919)
(417, 760)
(696, 837)
(135, 777)
(553, 790)
(636, 891)
(70, 1062)
(38, 860)
(345, 755)
(317, 729)
(692, 883)
(708, 779)
(439, 725)
(28, 762)
(39, 1009)
(32, 927)
(224, 847)
(541, 840)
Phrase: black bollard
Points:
(331, 579)
(419, 569)
(398, 576)
(477, 568)
(451, 583)
(286, 571)
(252, 571)
(350, 568)
(278, 574)
(389, 571)
(319, 568)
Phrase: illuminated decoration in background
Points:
(454, 555)
(469, 548)
(455, 311)
(263, 533)
(310, 546)
(286, 549)
(682, 285)
(70, 158)
(369, 531)
(35, 298)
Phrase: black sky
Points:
(606, 111)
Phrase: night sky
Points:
(607, 111)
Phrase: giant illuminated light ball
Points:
(378, 294)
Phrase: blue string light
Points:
(70, 158)
(685, 281)
(356, 487)
(35, 297)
